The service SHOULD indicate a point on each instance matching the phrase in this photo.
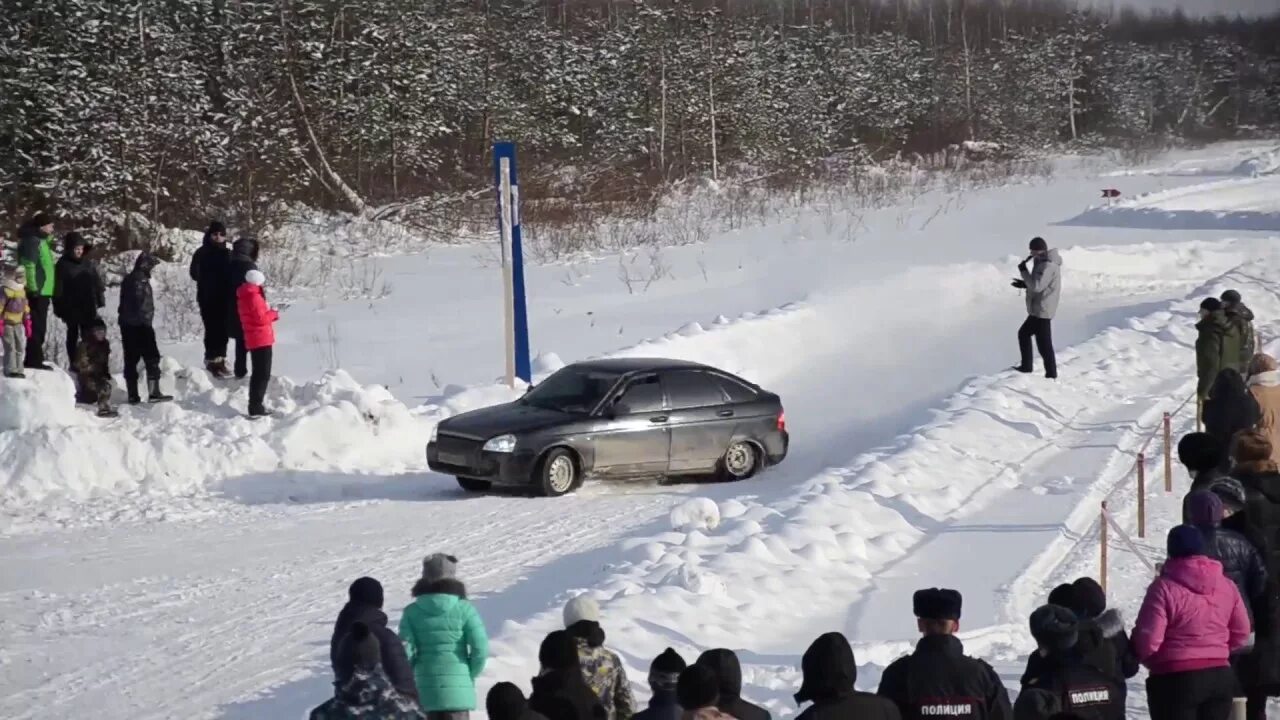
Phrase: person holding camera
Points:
(1043, 285)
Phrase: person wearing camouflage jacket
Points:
(1218, 344)
(601, 667)
(367, 693)
(93, 370)
(1240, 317)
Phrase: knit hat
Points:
(439, 566)
(697, 688)
(40, 220)
(1038, 244)
(1231, 297)
(582, 607)
(366, 591)
(216, 228)
(1185, 541)
(1200, 451)
(1054, 628)
(19, 273)
(1091, 600)
(1065, 596)
(255, 277)
(1230, 491)
(1204, 509)
(664, 671)
(559, 651)
(1211, 304)
(1250, 446)
(1261, 363)
(937, 604)
(505, 702)
(359, 647)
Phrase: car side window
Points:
(736, 391)
(642, 395)
(692, 389)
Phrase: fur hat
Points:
(255, 277)
(1204, 509)
(1211, 304)
(438, 566)
(1185, 541)
(1231, 297)
(505, 702)
(583, 607)
(216, 227)
(1200, 451)
(40, 220)
(664, 671)
(366, 591)
(1054, 628)
(697, 688)
(1250, 446)
(360, 647)
(1261, 363)
(559, 651)
(1230, 491)
(937, 604)
(1038, 244)
(1091, 601)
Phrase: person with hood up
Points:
(445, 639)
(15, 322)
(1100, 639)
(1240, 317)
(75, 301)
(93, 370)
(257, 335)
(664, 673)
(1241, 561)
(211, 271)
(697, 690)
(1065, 680)
(1217, 345)
(1043, 286)
(1230, 407)
(1259, 670)
(244, 258)
(137, 313)
(506, 702)
(938, 679)
(1192, 620)
(1091, 608)
(829, 674)
(364, 605)
(724, 663)
(559, 691)
(601, 667)
(1206, 460)
(1264, 385)
(35, 252)
(365, 693)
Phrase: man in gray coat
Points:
(1043, 285)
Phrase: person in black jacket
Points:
(1091, 608)
(506, 702)
(1229, 409)
(1206, 459)
(829, 674)
(211, 272)
(1065, 681)
(724, 663)
(137, 312)
(938, 680)
(364, 604)
(664, 673)
(76, 291)
(1092, 644)
(1240, 560)
(244, 257)
(560, 687)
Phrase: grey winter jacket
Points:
(1044, 285)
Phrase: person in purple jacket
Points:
(1191, 621)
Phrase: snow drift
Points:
(1236, 204)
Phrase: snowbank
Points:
(1237, 204)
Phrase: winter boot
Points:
(131, 386)
(217, 367)
(153, 391)
(259, 411)
(106, 411)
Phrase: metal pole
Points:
(1168, 453)
(1103, 563)
(502, 171)
(1142, 495)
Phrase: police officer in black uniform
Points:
(938, 680)
(1064, 680)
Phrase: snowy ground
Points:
(185, 562)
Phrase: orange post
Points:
(1142, 495)
(1102, 570)
(1168, 453)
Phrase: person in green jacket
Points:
(35, 252)
(445, 640)
(1218, 344)
(1241, 318)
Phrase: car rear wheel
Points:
(558, 473)
(740, 461)
(473, 485)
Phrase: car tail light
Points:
(782, 420)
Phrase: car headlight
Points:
(501, 444)
(435, 432)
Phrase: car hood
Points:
(513, 418)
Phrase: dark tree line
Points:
(182, 109)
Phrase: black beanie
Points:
(1185, 541)
(40, 220)
(366, 591)
(505, 702)
(1038, 244)
(664, 671)
(1091, 601)
(1054, 628)
(1231, 297)
(559, 651)
(216, 227)
(359, 647)
(937, 604)
(698, 688)
(1065, 596)
(1211, 304)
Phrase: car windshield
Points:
(572, 390)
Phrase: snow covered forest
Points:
(179, 110)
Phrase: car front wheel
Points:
(558, 473)
(740, 461)
(473, 485)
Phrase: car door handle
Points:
(725, 413)
(659, 419)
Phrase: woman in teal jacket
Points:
(445, 640)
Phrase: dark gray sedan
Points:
(615, 418)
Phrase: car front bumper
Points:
(514, 468)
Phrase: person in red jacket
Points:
(258, 320)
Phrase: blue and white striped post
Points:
(516, 312)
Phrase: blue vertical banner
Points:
(516, 314)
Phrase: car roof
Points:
(631, 365)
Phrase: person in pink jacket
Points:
(1191, 621)
(257, 319)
